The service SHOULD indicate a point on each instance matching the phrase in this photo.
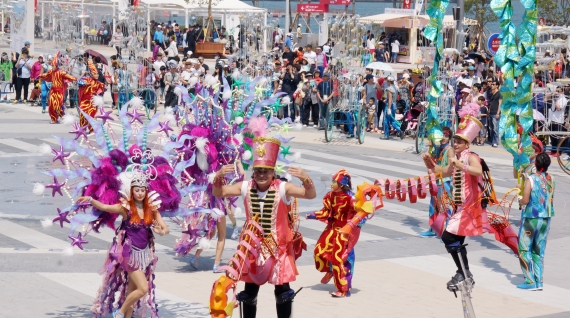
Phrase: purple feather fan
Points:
(105, 186)
(165, 186)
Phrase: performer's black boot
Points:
(248, 300)
(284, 303)
(248, 303)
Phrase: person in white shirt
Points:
(311, 57)
(556, 117)
(371, 44)
(158, 63)
(395, 50)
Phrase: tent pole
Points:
(148, 35)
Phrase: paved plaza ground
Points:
(397, 272)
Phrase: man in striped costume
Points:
(267, 199)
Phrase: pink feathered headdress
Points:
(472, 109)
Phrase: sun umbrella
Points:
(380, 66)
(95, 53)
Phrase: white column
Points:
(114, 22)
(186, 18)
(43, 26)
(287, 17)
(29, 25)
(148, 35)
(265, 31)
(82, 23)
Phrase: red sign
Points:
(313, 8)
(407, 4)
(495, 44)
(336, 2)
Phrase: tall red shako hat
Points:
(265, 152)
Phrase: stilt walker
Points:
(57, 78)
(89, 86)
(332, 249)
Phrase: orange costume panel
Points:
(332, 248)
(88, 87)
(275, 263)
(58, 79)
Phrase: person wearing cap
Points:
(288, 42)
(390, 110)
(299, 33)
(171, 79)
(158, 36)
(469, 217)
(273, 197)
(370, 89)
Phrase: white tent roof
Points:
(222, 7)
(381, 18)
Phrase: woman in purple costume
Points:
(129, 268)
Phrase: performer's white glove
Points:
(389, 112)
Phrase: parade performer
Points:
(538, 196)
(332, 249)
(126, 180)
(131, 260)
(89, 86)
(58, 79)
(442, 156)
(266, 201)
(526, 170)
(470, 195)
(45, 86)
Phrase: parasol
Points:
(95, 53)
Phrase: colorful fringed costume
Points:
(58, 79)
(332, 248)
(535, 226)
(89, 87)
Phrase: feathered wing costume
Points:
(106, 180)
(215, 135)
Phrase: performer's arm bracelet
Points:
(308, 184)
(218, 181)
(429, 162)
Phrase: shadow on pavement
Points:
(513, 278)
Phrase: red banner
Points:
(313, 8)
(407, 4)
(336, 2)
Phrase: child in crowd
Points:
(371, 110)
(484, 111)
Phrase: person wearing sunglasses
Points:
(267, 202)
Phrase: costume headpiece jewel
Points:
(141, 168)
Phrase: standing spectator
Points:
(117, 41)
(395, 50)
(289, 80)
(191, 37)
(495, 100)
(172, 50)
(204, 65)
(321, 60)
(311, 57)
(5, 70)
(370, 89)
(77, 70)
(158, 63)
(327, 50)
(324, 94)
(483, 115)
(556, 118)
(299, 33)
(23, 72)
(371, 44)
(160, 85)
(288, 42)
(288, 56)
(37, 68)
(158, 36)
(419, 91)
(380, 53)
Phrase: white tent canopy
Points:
(424, 19)
(225, 6)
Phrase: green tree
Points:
(556, 12)
(480, 10)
